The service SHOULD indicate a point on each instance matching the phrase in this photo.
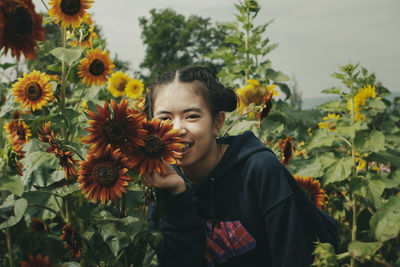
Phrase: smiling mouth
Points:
(187, 146)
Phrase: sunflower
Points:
(117, 83)
(139, 103)
(38, 225)
(123, 130)
(103, 176)
(33, 90)
(37, 261)
(69, 12)
(19, 131)
(134, 88)
(360, 99)
(14, 155)
(22, 28)
(287, 150)
(329, 122)
(95, 67)
(161, 143)
(64, 156)
(85, 33)
(265, 109)
(313, 190)
(72, 241)
(253, 93)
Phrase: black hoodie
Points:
(250, 211)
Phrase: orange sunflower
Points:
(38, 225)
(15, 154)
(265, 108)
(33, 90)
(72, 241)
(123, 130)
(37, 261)
(69, 12)
(103, 176)
(19, 131)
(313, 190)
(95, 67)
(160, 143)
(64, 156)
(287, 150)
(21, 28)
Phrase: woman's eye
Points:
(163, 118)
(193, 116)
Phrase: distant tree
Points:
(174, 41)
(296, 96)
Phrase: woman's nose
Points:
(180, 127)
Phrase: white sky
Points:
(314, 36)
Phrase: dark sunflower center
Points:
(23, 21)
(70, 7)
(115, 131)
(33, 91)
(21, 133)
(104, 174)
(153, 145)
(97, 67)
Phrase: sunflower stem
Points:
(45, 6)
(235, 121)
(246, 45)
(7, 232)
(47, 208)
(80, 98)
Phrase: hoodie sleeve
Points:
(184, 234)
(289, 216)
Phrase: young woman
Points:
(229, 201)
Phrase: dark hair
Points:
(218, 97)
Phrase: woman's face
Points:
(189, 113)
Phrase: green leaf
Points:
(69, 55)
(376, 104)
(393, 181)
(276, 76)
(333, 106)
(385, 223)
(6, 65)
(8, 106)
(375, 189)
(332, 90)
(71, 264)
(322, 137)
(370, 141)
(313, 169)
(12, 184)
(363, 250)
(338, 171)
(285, 89)
(18, 206)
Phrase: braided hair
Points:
(217, 96)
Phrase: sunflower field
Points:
(74, 142)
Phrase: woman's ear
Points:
(219, 122)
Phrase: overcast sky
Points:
(314, 36)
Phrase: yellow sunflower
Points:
(104, 175)
(37, 261)
(69, 12)
(360, 99)
(21, 27)
(18, 131)
(117, 83)
(329, 122)
(95, 67)
(85, 33)
(253, 93)
(33, 90)
(134, 88)
(313, 190)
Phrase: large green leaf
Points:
(385, 223)
(12, 184)
(375, 189)
(17, 207)
(8, 106)
(369, 141)
(69, 55)
(333, 106)
(321, 138)
(332, 90)
(361, 250)
(338, 171)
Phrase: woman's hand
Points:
(171, 181)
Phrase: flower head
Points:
(287, 150)
(95, 67)
(117, 83)
(103, 176)
(84, 34)
(161, 143)
(37, 261)
(123, 130)
(265, 109)
(134, 88)
(360, 100)
(33, 90)
(313, 190)
(329, 122)
(69, 12)
(18, 131)
(21, 28)
(38, 225)
(72, 241)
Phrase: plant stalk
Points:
(246, 46)
(8, 235)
